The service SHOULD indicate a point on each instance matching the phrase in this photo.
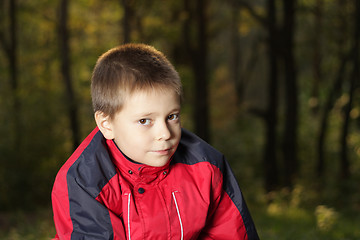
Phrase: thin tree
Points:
(241, 70)
(126, 20)
(291, 94)
(317, 54)
(354, 77)
(270, 114)
(10, 46)
(64, 48)
(235, 62)
(271, 118)
(333, 95)
(198, 50)
(285, 36)
(336, 89)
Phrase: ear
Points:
(103, 122)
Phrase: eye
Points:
(145, 121)
(173, 117)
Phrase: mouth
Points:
(163, 151)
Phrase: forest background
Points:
(273, 84)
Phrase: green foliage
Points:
(36, 225)
(288, 215)
(326, 218)
(301, 224)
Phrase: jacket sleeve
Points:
(229, 217)
(79, 207)
(79, 215)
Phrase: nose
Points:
(163, 131)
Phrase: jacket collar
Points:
(136, 171)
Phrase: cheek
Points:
(177, 132)
(126, 136)
(139, 137)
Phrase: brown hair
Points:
(128, 68)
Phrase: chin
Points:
(158, 163)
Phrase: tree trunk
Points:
(235, 50)
(270, 157)
(336, 87)
(66, 72)
(291, 94)
(235, 61)
(334, 94)
(270, 115)
(355, 77)
(317, 55)
(126, 21)
(201, 110)
(198, 55)
(10, 49)
(14, 72)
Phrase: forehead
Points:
(151, 100)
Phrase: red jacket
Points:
(100, 194)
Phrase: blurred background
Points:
(273, 84)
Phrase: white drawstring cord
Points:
(129, 214)
(177, 209)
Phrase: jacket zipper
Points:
(178, 213)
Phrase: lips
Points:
(163, 152)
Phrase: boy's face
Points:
(147, 129)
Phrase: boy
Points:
(138, 175)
